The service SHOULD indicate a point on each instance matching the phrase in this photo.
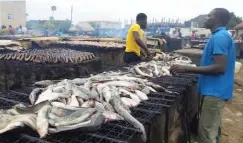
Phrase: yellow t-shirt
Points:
(131, 45)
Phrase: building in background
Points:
(197, 22)
(239, 29)
(105, 24)
(13, 13)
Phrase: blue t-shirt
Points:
(220, 85)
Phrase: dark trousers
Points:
(130, 57)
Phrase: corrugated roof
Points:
(83, 26)
(239, 26)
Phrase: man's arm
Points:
(217, 68)
(221, 46)
(140, 42)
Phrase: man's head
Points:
(216, 18)
(142, 20)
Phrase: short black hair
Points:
(141, 16)
(223, 15)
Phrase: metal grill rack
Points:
(113, 132)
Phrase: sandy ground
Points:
(232, 121)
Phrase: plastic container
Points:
(237, 67)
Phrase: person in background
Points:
(59, 33)
(193, 36)
(179, 33)
(216, 80)
(134, 40)
(240, 38)
(20, 30)
(10, 30)
(173, 33)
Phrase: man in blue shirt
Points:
(216, 79)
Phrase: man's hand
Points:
(178, 69)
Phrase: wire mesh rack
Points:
(113, 132)
(16, 96)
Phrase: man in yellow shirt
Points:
(134, 41)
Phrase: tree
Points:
(53, 9)
(63, 25)
(49, 25)
(234, 20)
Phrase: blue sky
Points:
(126, 9)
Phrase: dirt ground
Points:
(232, 122)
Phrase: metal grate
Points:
(15, 96)
(113, 132)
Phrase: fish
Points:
(63, 106)
(146, 90)
(121, 84)
(67, 128)
(33, 95)
(49, 95)
(151, 89)
(112, 116)
(155, 86)
(79, 81)
(127, 78)
(141, 95)
(63, 100)
(88, 84)
(74, 118)
(99, 107)
(78, 93)
(116, 103)
(80, 100)
(74, 102)
(165, 71)
(59, 88)
(45, 82)
(95, 92)
(133, 96)
(155, 71)
(106, 93)
(100, 88)
(31, 109)
(10, 122)
(88, 104)
(12, 126)
(42, 123)
(138, 71)
(87, 92)
(129, 102)
(61, 112)
(94, 123)
(108, 107)
(53, 117)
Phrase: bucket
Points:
(237, 67)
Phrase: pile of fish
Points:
(50, 55)
(95, 44)
(160, 65)
(81, 103)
